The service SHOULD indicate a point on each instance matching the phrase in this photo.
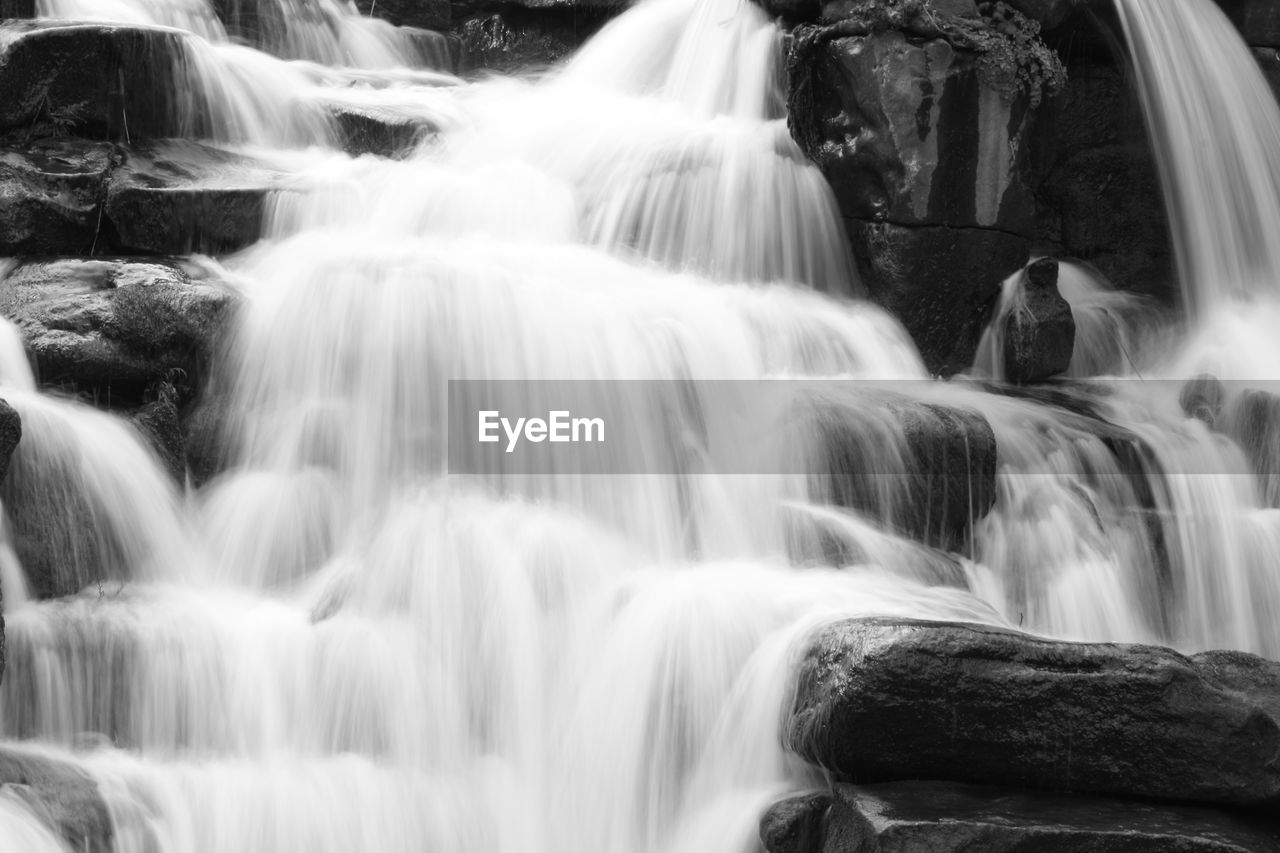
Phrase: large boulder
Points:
(1039, 330)
(923, 469)
(111, 329)
(941, 282)
(97, 80)
(883, 700)
(62, 795)
(919, 119)
(177, 197)
(944, 817)
(51, 194)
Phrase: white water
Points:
(337, 646)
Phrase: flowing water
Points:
(339, 645)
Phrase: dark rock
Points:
(797, 824)
(427, 14)
(516, 38)
(909, 132)
(943, 817)
(1039, 332)
(96, 80)
(1269, 61)
(176, 198)
(17, 9)
(941, 282)
(385, 132)
(1048, 13)
(1257, 20)
(1201, 397)
(1253, 422)
(111, 328)
(159, 423)
(885, 700)
(1098, 196)
(51, 194)
(64, 796)
(947, 456)
(10, 435)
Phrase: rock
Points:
(385, 132)
(944, 481)
(17, 9)
(65, 797)
(1048, 13)
(177, 197)
(943, 817)
(797, 824)
(95, 80)
(51, 194)
(942, 282)
(516, 41)
(427, 14)
(909, 132)
(1257, 20)
(1253, 421)
(1039, 330)
(885, 700)
(10, 435)
(111, 328)
(159, 423)
(1201, 397)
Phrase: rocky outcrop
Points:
(384, 132)
(796, 824)
(944, 817)
(514, 38)
(1038, 331)
(919, 118)
(427, 14)
(110, 329)
(884, 700)
(66, 798)
(70, 196)
(923, 469)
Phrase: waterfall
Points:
(1211, 118)
(354, 639)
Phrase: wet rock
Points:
(17, 9)
(942, 480)
(177, 197)
(1201, 397)
(944, 817)
(10, 435)
(1039, 332)
(885, 700)
(65, 797)
(111, 328)
(427, 14)
(160, 424)
(797, 824)
(910, 132)
(516, 38)
(95, 80)
(1257, 20)
(1048, 13)
(51, 194)
(942, 282)
(1253, 421)
(384, 132)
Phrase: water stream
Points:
(340, 646)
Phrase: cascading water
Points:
(336, 646)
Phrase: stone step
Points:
(946, 817)
(69, 196)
